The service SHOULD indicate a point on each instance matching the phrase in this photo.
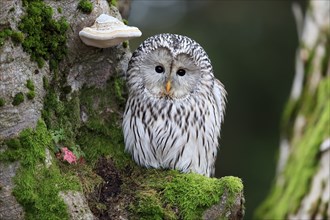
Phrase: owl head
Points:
(169, 66)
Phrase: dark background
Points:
(252, 48)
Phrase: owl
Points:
(175, 106)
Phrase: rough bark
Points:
(15, 69)
(302, 184)
(82, 99)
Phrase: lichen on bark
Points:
(301, 187)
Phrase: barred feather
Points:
(179, 130)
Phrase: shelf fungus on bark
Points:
(107, 31)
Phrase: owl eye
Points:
(159, 69)
(181, 72)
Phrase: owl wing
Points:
(220, 93)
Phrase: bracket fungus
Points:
(107, 31)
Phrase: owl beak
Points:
(168, 86)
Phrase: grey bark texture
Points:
(84, 65)
(9, 207)
(15, 69)
(302, 184)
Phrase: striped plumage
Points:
(175, 106)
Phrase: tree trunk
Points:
(301, 188)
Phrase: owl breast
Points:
(177, 134)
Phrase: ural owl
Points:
(175, 106)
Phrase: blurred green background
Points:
(252, 48)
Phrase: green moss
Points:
(53, 104)
(13, 152)
(17, 37)
(40, 61)
(173, 195)
(59, 10)
(26, 2)
(45, 37)
(9, 156)
(2, 102)
(105, 121)
(119, 88)
(113, 2)
(30, 95)
(95, 145)
(4, 35)
(14, 143)
(303, 163)
(31, 191)
(45, 83)
(34, 183)
(287, 121)
(125, 44)
(85, 6)
(192, 193)
(7, 32)
(30, 84)
(50, 107)
(150, 206)
(67, 89)
(61, 114)
(18, 99)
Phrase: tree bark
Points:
(301, 186)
